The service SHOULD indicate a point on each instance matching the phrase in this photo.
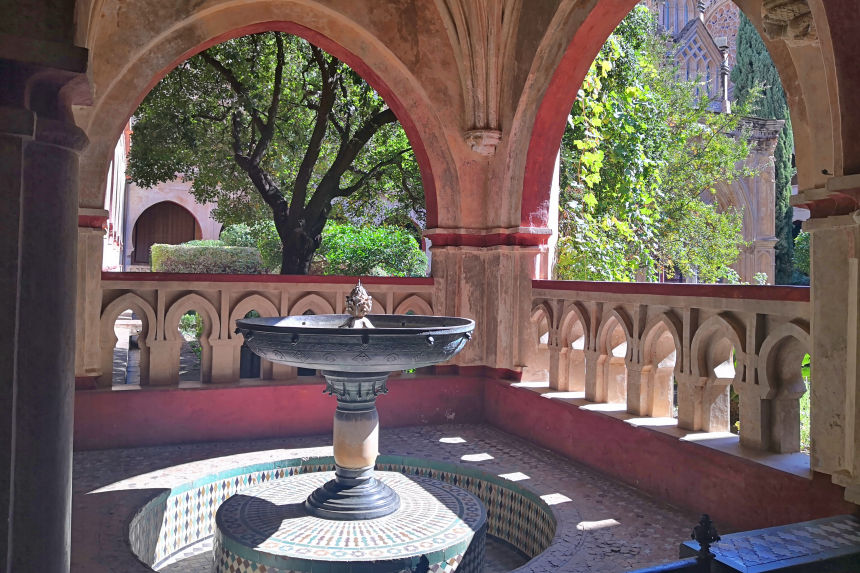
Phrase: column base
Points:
(354, 494)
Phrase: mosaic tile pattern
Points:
(168, 526)
(777, 547)
(189, 513)
(267, 525)
(634, 530)
(514, 514)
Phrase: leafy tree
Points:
(640, 157)
(801, 253)
(369, 250)
(273, 128)
(755, 71)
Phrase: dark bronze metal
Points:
(356, 353)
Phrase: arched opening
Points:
(537, 367)
(163, 223)
(191, 331)
(249, 362)
(612, 347)
(129, 80)
(657, 394)
(705, 401)
(126, 353)
(572, 369)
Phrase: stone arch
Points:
(574, 331)
(614, 344)
(108, 340)
(266, 309)
(717, 361)
(193, 301)
(166, 33)
(661, 354)
(581, 28)
(539, 334)
(712, 348)
(251, 302)
(781, 384)
(211, 332)
(416, 304)
(311, 302)
(177, 220)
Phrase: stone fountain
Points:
(359, 520)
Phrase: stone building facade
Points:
(702, 31)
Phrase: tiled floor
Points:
(604, 526)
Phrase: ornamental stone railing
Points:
(639, 344)
(159, 300)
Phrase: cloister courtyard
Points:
(594, 419)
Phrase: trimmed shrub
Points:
(205, 259)
(374, 251)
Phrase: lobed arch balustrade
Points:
(160, 300)
(675, 351)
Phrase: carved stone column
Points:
(38, 251)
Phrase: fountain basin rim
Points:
(329, 324)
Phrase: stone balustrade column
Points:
(595, 380)
(38, 253)
(755, 417)
(557, 375)
(639, 392)
(690, 394)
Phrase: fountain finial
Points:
(359, 303)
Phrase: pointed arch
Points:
(672, 325)
(193, 301)
(622, 318)
(712, 346)
(416, 304)
(115, 307)
(785, 346)
(251, 302)
(311, 302)
(573, 313)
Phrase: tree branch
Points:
(267, 132)
(238, 88)
(312, 152)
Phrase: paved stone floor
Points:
(604, 526)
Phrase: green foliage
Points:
(801, 252)
(191, 329)
(369, 251)
(238, 235)
(755, 73)
(273, 129)
(262, 236)
(760, 279)
(205, 243)
(640, 157)
(205, 259)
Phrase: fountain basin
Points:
(439, 527)
(397, 342)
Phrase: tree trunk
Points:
(299, 248)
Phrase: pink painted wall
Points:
(156, 416)
(737, 493)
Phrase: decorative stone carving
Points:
(789, 20)
(482, 33)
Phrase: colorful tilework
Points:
(267, 526)
(172, 522)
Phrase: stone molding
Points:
(789, 20)
(482, 33)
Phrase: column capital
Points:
(493, 237)
(840, 196)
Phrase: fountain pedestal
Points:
(354, 521)
(354, 493)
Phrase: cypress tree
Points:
(754, 67)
